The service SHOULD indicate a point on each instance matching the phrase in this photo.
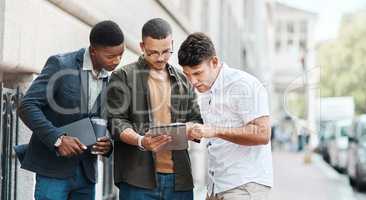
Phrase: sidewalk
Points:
(315, 181)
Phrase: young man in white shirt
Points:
(234, 108)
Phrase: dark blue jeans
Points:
(77, 187)
(163, 191)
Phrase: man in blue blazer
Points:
(69, 89)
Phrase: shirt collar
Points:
(219, 80)
(88, 65)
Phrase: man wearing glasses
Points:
(151, 92)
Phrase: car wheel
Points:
(352, 181)
(326, 157)
(358, 184)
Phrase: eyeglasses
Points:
(156, 54)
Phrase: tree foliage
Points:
(343, 62)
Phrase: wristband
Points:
(139, 143)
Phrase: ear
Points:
(92, 50)
(142, 46)
(215, 61)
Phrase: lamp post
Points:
(306, 130)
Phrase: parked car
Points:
(356, 167)
(338, 145)
(325, 133)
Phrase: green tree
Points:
(343, 62)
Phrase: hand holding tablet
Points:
(177, 133)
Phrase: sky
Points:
(329, 13)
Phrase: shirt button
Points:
(208, 144)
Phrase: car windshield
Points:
(344, 131)
(327, 130)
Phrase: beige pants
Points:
(249, 191)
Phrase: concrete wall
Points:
(35, 30)
(49, 27)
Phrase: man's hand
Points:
(103, 146)
(155, 143)
(70, 146)
(190, 135)
(199, 131)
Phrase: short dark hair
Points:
(197, 48)
(106, 33)
(156, 28)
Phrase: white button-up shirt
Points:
(235, 99)
(95, 83)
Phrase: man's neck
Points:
(159, 74)
(218, 70)
(95, 67)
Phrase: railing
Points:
(109, 190)
(9, 129)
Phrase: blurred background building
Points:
(293, 97)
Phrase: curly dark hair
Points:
(197, 48)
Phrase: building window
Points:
(302, 44)
(245, 59)
(279, 28)
(278, 45)
(304, 27)
(290, 27)
(290, 42)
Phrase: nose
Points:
(117, 60)
(161, 58)
(193, 80)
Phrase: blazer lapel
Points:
(84, 90)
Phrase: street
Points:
(360, 196)
(296, 180)
(315, 180)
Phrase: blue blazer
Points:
(58, 96)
